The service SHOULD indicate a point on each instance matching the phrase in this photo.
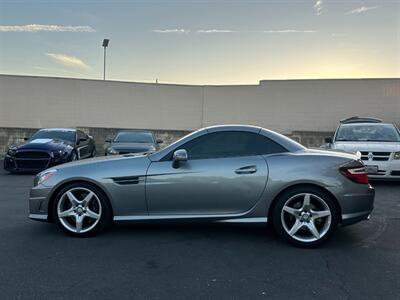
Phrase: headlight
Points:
(12, 151)
(42, 177)
(111, 151)
(396, 155)
(59, 153)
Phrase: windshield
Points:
(134, 137)
(371, 133)
(65, 135)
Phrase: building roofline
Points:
(261, 82)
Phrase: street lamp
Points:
(105, 45)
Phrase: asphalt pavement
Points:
(171, 261)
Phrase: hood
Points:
(100, 169)
(353, 147)
(110, 161)
(135, 147)
(44, 144)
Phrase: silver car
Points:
(229, 174)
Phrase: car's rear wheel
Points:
(82, 209)
(306, 217)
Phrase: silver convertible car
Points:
(230, 174)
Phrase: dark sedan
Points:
(132, 141)
(47, 148)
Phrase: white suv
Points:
(377, 142)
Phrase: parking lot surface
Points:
(161, 261)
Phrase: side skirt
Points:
(206, 218)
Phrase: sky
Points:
(201, 42)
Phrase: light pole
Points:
(105, 45)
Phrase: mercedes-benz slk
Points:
(228, 174)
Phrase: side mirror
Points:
(179, 157)
(328, 140)
(159, 141)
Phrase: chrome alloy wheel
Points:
(79, 210)
(306, 217)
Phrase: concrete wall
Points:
(302, 105)
(35, 102)
(282, 105)
(306, 110)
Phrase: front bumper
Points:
(31, 165)
(387, 170)
(39, 203)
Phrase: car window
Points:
(373, 133)
(230, 144)
(65, 135)
(82, 135)
(133, 137)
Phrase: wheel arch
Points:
(305, 185)
(55, 192)
(74, 150)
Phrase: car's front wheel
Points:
(82, 209)
(306, 217)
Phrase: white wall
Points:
(315, 105)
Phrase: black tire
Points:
(106, 209)
(289, 194)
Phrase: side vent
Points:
(126, 180)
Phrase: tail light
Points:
(355, 171)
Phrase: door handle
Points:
(246, 170)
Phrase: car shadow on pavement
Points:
(172, 232)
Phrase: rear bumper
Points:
(356, 201)
(348, 219)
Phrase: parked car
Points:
(378, 144)
(132, 141)
(228, 174)
(47, 148)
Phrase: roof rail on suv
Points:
(357, 119)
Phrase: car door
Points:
(83, 144)
(224, 174)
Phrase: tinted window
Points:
(230, 144)
(134, 137)
(66, 135)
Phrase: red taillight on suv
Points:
(355, 171)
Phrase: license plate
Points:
(371, 169)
